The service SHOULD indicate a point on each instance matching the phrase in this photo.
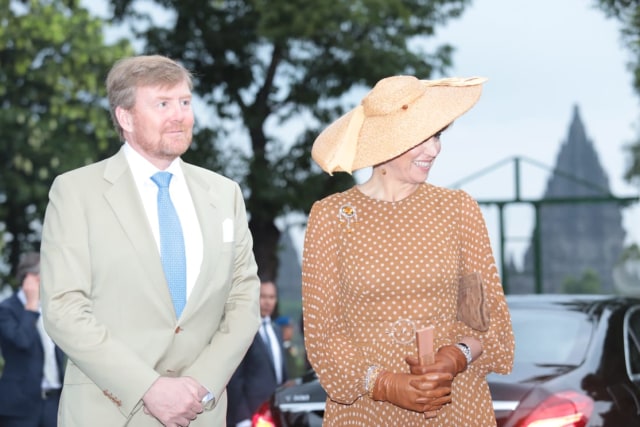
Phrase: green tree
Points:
(52, 109)
(627, 12)
(631, 253)
(288, 65)
(589, 283)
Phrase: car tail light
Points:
(263, 417)
(565, 409)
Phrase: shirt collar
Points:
(143, 170)
(22, 297)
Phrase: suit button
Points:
(178, 330)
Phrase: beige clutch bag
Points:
(472, 307)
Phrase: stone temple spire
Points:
(576, 236)
(578, 169)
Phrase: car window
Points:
(632, 342)
(550, 337)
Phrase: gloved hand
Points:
(448, 358)
(418, 393)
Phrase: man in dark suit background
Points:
(263, 367)
(31, 382)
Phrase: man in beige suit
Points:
(137, 357)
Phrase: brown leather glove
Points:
(418, 393)
(448, 358)
(446, 361)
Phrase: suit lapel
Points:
(124, 199)
(267, 352)
(206, 202)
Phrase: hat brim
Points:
(386, 136)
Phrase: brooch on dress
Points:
(403, 331)
(347, 213)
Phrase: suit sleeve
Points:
(67, 306)
(18, 326)
(242, 312)
(238, 408)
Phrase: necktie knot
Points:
(162, 179)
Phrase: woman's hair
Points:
(130, 73)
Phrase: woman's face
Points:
(413, 166)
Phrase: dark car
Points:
(577, 364)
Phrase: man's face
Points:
(268, 298)
(160, 124)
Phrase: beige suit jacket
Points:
(106, 303)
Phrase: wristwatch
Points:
(465, 350)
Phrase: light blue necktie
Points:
(172, 251)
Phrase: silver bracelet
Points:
(370, 379)
(466, 351)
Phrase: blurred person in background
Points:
(293, 355)
(263, 368)
(31, 381)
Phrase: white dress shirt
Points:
(142, 172)
(50, 374)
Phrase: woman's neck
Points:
(381, 186)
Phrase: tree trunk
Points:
(265, 247)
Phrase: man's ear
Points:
(124, 118)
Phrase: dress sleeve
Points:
(476, 255)
(340, 367)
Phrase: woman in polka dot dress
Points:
(384, 259)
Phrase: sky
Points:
(542, 58)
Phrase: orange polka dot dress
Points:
(373, 272)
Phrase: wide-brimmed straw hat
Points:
(399, 113)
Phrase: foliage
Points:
(52, 107)
(630, 253)
(589, 283)
(280, 70)
(628, 13)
